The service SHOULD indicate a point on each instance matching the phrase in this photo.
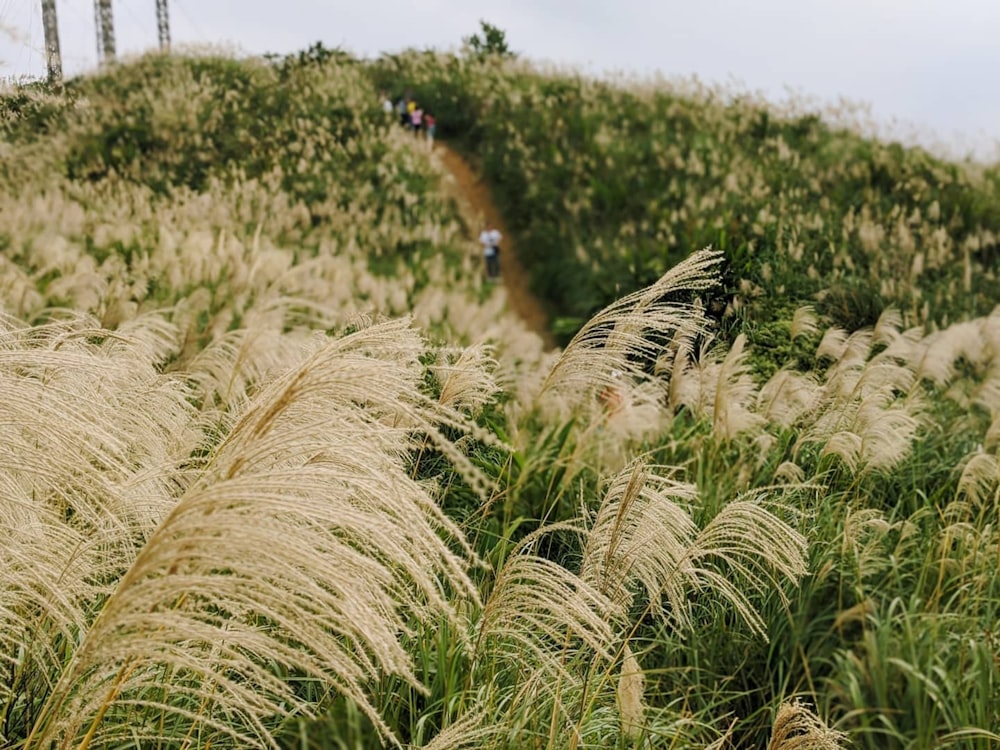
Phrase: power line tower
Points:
(163, 24)
(105, 23)
(53, 60)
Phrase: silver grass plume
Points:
(832, 345)
(887, 328)
(94, 452)
(804, 322)
(535, 605)
(796, 727)
(788, 397)
(643, 538)
(466, 377)
(303, 544)
(617, 339)
(868, 411)
(734, 394)
(539, 626)
(471, 732)
(980, 478)
(630, 695)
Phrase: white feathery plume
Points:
(796, 727)
(471, 732)
(630, 695)
(735, 391)
(757, 550)
(887, 328)
(640, 535)
(228, 368)
(94, 451)
(980, 478)
(700, 379)
(617, 339)
(683, 390)
(643, 538)
(887, 432)
(535, 605)
(88, 416)
(846, 446)
(992, 438)
(466, 377)
(833, 344)
(787, 397)
(304, 543)
(789, 472)
(804, 322)
(632, 412)
(856, 349)
(938, 353)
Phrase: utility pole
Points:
(105, 24)
(163, 24)
(53, 60)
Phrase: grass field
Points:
(279, 469)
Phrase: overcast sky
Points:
(932, 67)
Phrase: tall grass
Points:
(278, 470)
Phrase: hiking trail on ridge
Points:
(476, 194)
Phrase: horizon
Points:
(915, 69)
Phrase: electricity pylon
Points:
(105, 23)
(53, 60)
(163, 24)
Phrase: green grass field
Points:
(279, 469)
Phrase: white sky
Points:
(926, 67)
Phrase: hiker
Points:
(490, 240)
(417, 118)
(403, 112)
(430, 126)
(387, 105)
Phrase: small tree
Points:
(491, 42)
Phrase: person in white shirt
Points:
(490, 239)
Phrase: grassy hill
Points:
(609, 184)
(279, 470)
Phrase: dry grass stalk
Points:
(630, 695)
(642, 537)
(535, 605)
(735, 391)
(471, 732)
(796, 727)
(804, 322)
(466, 378)
(303, 543)
(617, 339)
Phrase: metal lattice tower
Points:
(53, 60)
(163, 24)
(105, 23)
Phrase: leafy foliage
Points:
(491, 42)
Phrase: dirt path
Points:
(476, 194)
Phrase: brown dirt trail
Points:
(480, 208)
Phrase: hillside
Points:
(607, 185)
(281, 469)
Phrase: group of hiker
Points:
(411, 115)
(415, 118)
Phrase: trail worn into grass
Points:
(476, 193)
